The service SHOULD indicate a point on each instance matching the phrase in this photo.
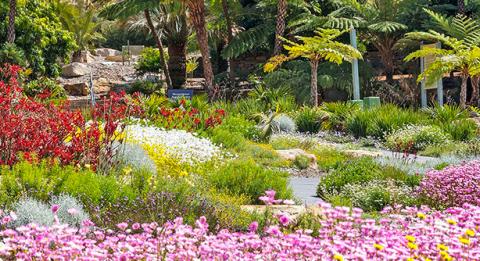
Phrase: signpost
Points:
(424, 64)
(177, 94)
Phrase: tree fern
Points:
(248, 40)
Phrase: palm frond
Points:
(248, 40)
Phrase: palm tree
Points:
(197, 18)
(80, 19)
(129, 8)
(11, 21)
(462, 41)
(379, 21)
(321, 47)
(280, 27)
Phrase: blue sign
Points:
(177, 94)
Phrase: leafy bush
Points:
(149, 61)
(40, 35)
(302, 161)
(375, 195)
(245, 177)
(44, 86)
(283, 123)
(452, 186)
(309, 119)
(145, 87)
(413, 138)
(328, 158)
(360, 171)
(12, 54)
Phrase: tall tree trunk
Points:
(387, 55)
(280, 28)
(11, 21)
(197, 16)
(314, 82)
(228, 20)
(463, 90)
(177, 63)
(160, 48)
(475, 81)
(461, 6)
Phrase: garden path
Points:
(304, 188)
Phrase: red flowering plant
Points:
(188, 118)
(39, 130)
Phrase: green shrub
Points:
(309, 119)
(413, 138)
(377, 194)
(10, 53)
(241, 125)
(302, 162)
(351, 172)
(328, 158)
(229, 140)
(359, 171)
(245, 177)
(149, 61)
(39, 86)
(145, 87)
(338, 113)
(461, 130)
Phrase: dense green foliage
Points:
(40, 35)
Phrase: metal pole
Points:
(440, 84)
(423, 91)
(356, 80)
(92, 93)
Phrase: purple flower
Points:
(122, 226)
(55, 208)
(284, 220)
(253, 227)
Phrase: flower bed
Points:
(452, 186)
(408, 234)
(178, 144)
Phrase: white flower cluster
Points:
(178, 144)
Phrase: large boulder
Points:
(102, 86)
(75, 70)
(77, 89)
(114, 58)
(292, 154)
(104, 52)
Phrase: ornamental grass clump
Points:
(453, 186)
